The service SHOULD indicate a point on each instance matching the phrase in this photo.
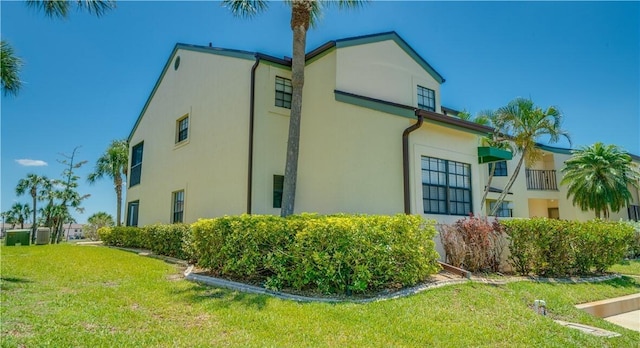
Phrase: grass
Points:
(629, 267)
(80, 296)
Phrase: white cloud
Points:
(31, 163)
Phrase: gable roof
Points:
(373, 38)
(309, 57)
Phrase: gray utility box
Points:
(43, 234)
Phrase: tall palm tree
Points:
(10, 69)
(35, 185)
(599, 177)
(303, 14)
(526, 123)
(113, 164)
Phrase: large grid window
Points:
(182, 129)
(177, 212)
(278, 184)
(503, 209)
(446, 187)
(501, 168)
(136, 165)
(283, 92)
(132, 213)
(426, 99)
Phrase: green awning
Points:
(488, 154)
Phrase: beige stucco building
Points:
(211, 140)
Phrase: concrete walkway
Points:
(629, 320)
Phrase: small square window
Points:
(182, 129)
(178, 207)
(278, 184)
(501, 168)
(283, 92)
(503, 210)
(426, 99)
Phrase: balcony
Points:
(543, 180)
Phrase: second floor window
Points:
(283, 92)
(136, 165)
(426, 99)
(501, 168)
(182, 129)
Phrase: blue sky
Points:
(86, 79)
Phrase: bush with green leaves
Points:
(332, 254)
(549, 247)
(167, 239)
(633, 252)
(124, 236)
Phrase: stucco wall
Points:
(384, 71)
(211, 165)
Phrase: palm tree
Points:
(113, 164)
(60, 9)
(10, 69)
(599, 177)
(303, 14)
(20, 213)
(95, 222)
(10, 63)
(35, 185)
(526, 123)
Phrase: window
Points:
(136, 165)
(283, 92)
(504, 209)
(446, 187)
(426, 99)
(132, 213)
(278, 184)
(177, 211)
(182, 129)
(501, 168)
(634, 212)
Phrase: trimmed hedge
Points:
(331, 254)
(167, 239)
(162, 239)
(123, 236)
(551, 247)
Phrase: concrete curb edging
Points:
(252, 289)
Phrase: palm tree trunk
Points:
(300, 16)
(486, 188)
(118, 186)
(509, 184)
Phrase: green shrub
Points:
(167, 239)
(633, 251)
(124, 236)
(331, 254)
(550, 247)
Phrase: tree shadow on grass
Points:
(219, 298)
(7, 283)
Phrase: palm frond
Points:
(10, 69)
(245, 8)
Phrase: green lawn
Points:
(81, 296)
(631, 267)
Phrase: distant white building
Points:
(71, 231)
